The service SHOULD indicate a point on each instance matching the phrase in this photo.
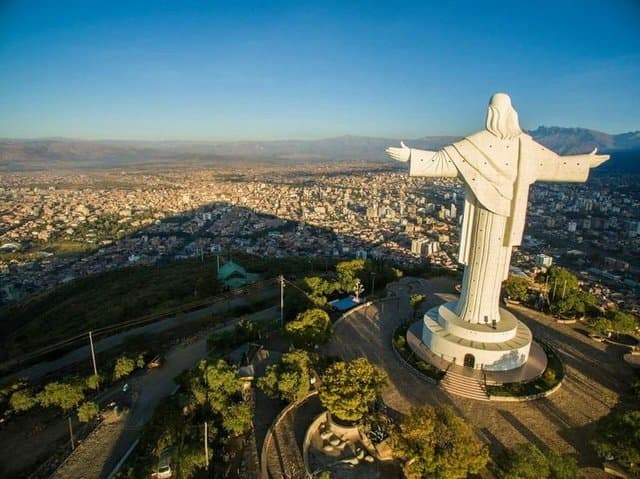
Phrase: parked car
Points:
(164, 465)
(156, 362)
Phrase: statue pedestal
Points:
(499, 346)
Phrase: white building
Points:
(544, 260)
(424, 247)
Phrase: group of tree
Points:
(617, 436)
(63, 395)
(434, 442)
(213, 392)
(616, 322)
(348, 390)
(527, 461)
(210, 393)
(565, 297)
(315, 291)
(290, 378)
(70, 393)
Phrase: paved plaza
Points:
(563, 422)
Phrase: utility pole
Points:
(73, 446)
(93, 355)
(373, 282)
(555, 283)
(281, 279)
(206, 446)
(564, 288)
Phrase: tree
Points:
(310, 328)
(318, 289)
(223, 383)
(565, 296)
(140, 362)
(347, 272)
(289, 379)
(348, 389)
(622, 323)
(212, 387)
(63, 395)
(562, 467)
(516, 288)
(434, 442)
(93, 381)
(22, 400)
(603, 326)
(87, 411)
(124, 366)
(237, 418)
(525, 461)
(618, 435)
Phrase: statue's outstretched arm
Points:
(424, 162)
(569, 168)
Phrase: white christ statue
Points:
(496, 165)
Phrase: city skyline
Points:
(284, 71)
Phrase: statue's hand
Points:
(596, 160)
(400, 154)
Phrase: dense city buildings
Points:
(56, 227)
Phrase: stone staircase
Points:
(465, 386)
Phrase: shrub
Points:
(22, 400)
(124, 366)
(87, 411)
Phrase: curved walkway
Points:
(563, 422)
(282, 455)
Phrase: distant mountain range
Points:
(17, 155)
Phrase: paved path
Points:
(284, 454)
(563, 422)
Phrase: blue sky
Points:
(275, 70)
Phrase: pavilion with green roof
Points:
(235, 276)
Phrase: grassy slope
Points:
(101, 300)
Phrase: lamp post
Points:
(373, 282)
(281, 280)
(358, 289)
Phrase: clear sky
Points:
(276, 70)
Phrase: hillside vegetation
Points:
(101, 300)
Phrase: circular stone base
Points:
(502, 346)
(534, 366)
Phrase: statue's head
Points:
(502, 119)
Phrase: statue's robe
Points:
(497, 174)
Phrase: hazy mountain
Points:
(64, 153)
(581, 140)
